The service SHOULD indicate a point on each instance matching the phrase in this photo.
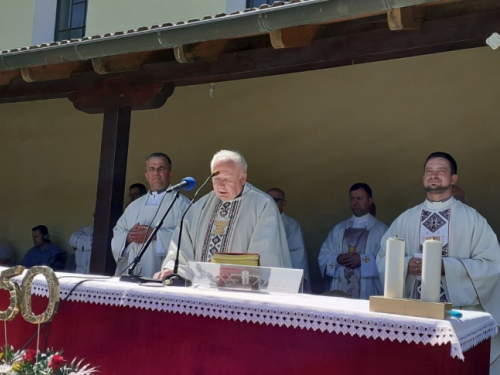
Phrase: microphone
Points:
(175, 279)
(187, 183)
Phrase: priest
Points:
(470, 269)
(294, 236)
(347, 259)
(137, 222)
(235, 217)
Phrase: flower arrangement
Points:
(31, 362)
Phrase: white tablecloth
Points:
(303, 311)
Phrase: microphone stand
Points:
(142, 279)
(175, 279)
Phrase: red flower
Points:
(56, 362)
(29, 356)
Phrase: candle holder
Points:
(410, 307)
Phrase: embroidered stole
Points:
(220, 229)
(350, 279)
(434, 226)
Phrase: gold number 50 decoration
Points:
(21, 298)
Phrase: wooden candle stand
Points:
(410, 307)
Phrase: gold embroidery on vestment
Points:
(220, 227)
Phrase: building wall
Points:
(313, 134)
(25, 23)
(115, 15)
(16, 23)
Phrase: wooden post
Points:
(110, 187)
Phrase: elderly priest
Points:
(234, 217)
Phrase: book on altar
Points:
(242, 259)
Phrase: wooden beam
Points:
(409, 18)
(7, 75)
(110, 187)
(118, 92)
(205, 51)
(129, 61)
(52, 72)
(293, 37)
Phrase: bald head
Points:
(459, 194)
(279, 197)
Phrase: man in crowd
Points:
(136, 224)
(81, 242)
(136, 191)
(234, 217)
(294, 237)
(44, 253)
(6, 255)
(347, 258)
(470, 266)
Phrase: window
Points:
(258, 3)
(70, 19)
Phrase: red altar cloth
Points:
(127, 340)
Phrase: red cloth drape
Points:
(122, 340)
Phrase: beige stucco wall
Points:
(312, 134)
(16, 23)
(116, 15)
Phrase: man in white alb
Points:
(81, 242)
(294, 237)
(235, 217)
(347, 259)
(137, 222)
(470, 266)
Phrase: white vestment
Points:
(81, 241)
(335, 245)
(472, 267)
(254, 225)
(144, 213)
(297, 248)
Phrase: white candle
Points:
(431, 271)
(394, 268)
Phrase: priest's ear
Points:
(454, 178)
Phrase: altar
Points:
(150, 329)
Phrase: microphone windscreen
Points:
(215, 173)
(191, 183)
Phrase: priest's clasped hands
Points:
(139, 233)
(349, 260)
(415, 266)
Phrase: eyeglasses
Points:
(278, 200)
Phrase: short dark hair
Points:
(281, 192)
(160, 155)
(141, 187)
(362, 185)
(444, 155)
(42, 228)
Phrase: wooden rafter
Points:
(129, 61)
(206, 51)
(293, 37)
(409, 18)
(53, 72)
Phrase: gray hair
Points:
(226, 155)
